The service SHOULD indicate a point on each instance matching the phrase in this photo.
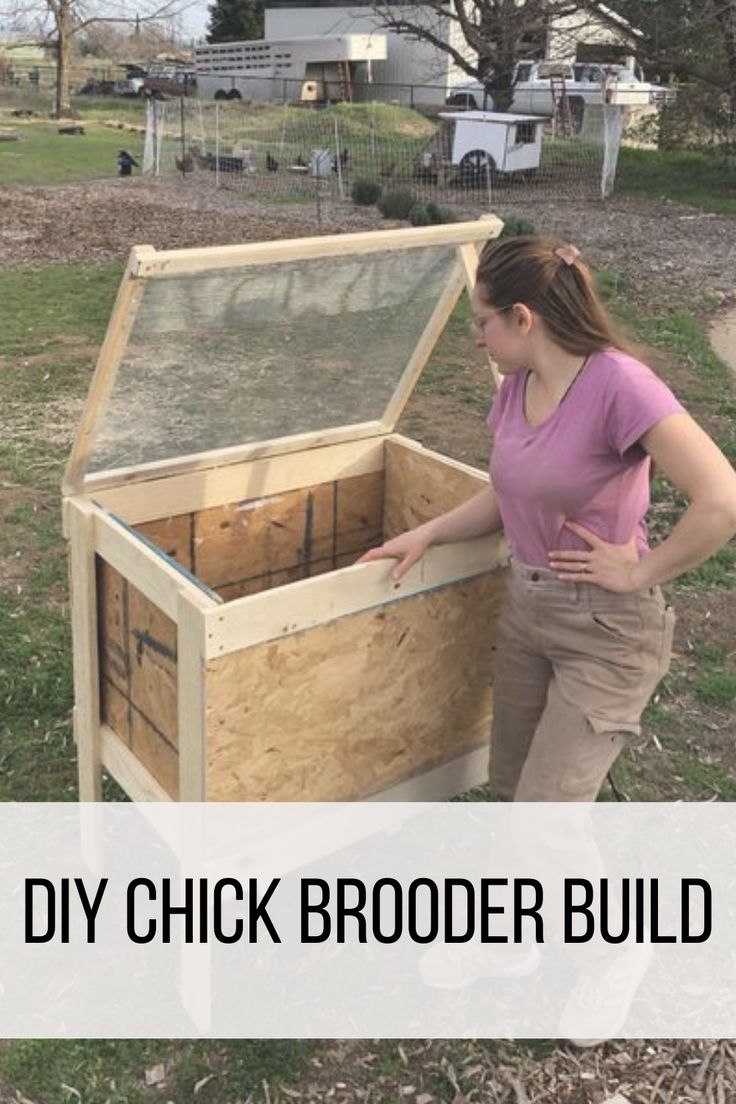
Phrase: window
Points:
(525, 134)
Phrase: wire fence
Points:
(286, 153)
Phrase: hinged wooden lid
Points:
(215, 354)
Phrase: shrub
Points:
(396, 204)
(419, 215)
(442, 214)
(516, 225)
(365, 192)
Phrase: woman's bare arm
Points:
(696, 466)
(478, 517)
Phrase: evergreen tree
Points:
(235, 20)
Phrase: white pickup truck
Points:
(538, 88)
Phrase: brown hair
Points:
(535, 271)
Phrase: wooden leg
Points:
(81, 521)
(191, 698)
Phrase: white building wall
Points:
(409, 62)
(456, 75)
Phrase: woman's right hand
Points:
(408, 549)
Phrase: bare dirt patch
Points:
(665, 251)
(722, 335)
(101, 221)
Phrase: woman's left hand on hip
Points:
(612, 566)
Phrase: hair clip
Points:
(568, 253)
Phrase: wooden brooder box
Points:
(235, 457)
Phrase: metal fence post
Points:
(183, 139)
(338, 162)
(217, 145)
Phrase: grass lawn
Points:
(702, 179)
(42, 156)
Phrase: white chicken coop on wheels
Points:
(489, 142)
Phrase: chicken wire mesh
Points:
(286, 153)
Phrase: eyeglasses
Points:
(478, 325)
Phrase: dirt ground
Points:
(663, 250)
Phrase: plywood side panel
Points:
(153, 661)
(119, 760)
(356, 705)
(358, 513)
(112, 606)
(421, 485)
(260, 536)
(115, 709)
(156, 754)
(258, 544)
(277, 579)
(138, 669)
(173, 535)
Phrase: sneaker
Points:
(602, 997)
(457, 965)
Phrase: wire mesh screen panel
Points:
(282, 153)
(221, 358)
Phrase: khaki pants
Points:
(575, 667)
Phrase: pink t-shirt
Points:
(583, 463)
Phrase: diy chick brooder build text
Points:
(235, 457)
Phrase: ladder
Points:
(346, 83)
(561, 102)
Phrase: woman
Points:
(585, 635)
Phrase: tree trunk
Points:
(64, 30)
(725, 14)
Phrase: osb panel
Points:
(173, 536)
(359, 512)
(275, 579)
(248, 539)
(138, 687)
(353, 706)
(155, 753)
(111, 625)
(421, 487)
(152, 643)
(115, 709)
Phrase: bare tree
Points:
(497, 33)
(692, 39)
(56, 23)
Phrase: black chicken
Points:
(343, 158)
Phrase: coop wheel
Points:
(233, 94)
(221, 94)
(476, 168)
